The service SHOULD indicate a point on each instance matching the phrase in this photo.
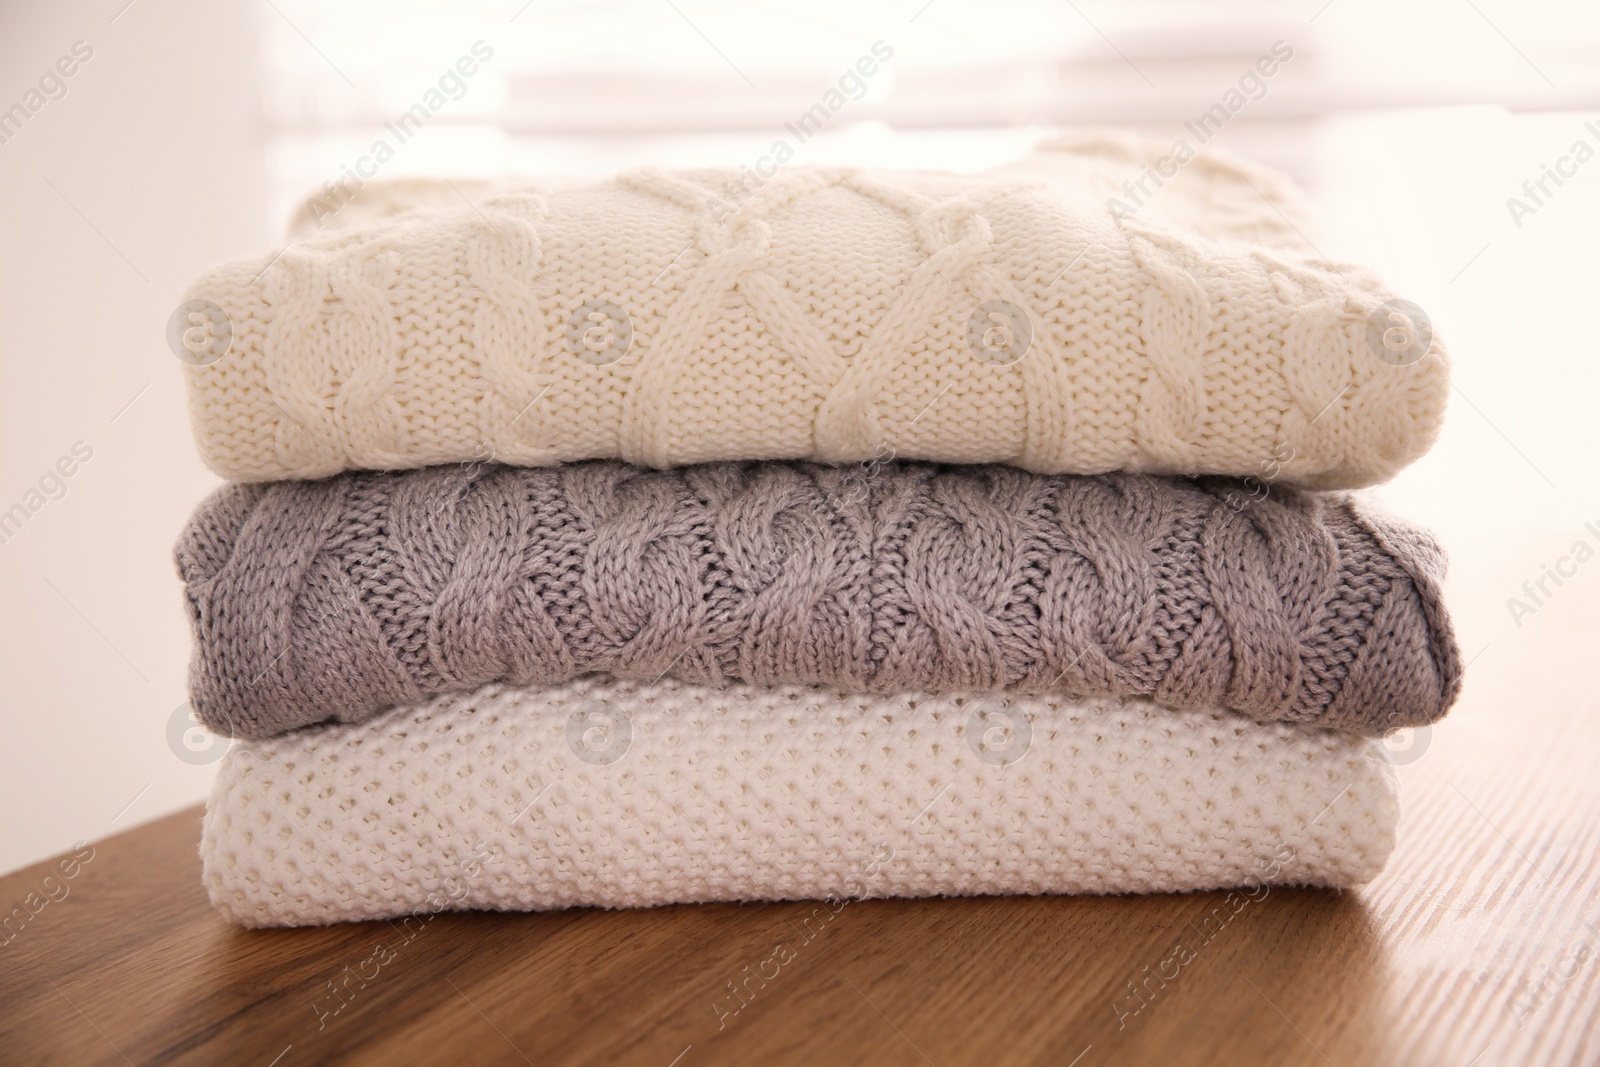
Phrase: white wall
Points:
(158, 143)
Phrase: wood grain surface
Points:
(1477, 946)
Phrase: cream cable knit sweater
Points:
(627, 794)
(832, 314)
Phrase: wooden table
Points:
(1477, 925)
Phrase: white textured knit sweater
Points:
(629, 794)
(827, 313)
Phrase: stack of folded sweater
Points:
(684, 537)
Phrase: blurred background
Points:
(188, 132)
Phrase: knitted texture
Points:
(338, 598)
(827, 313)
(624, 795)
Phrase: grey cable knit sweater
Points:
(335, 599)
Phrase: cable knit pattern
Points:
(822, 315)
(624, 795)
(338, 598)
